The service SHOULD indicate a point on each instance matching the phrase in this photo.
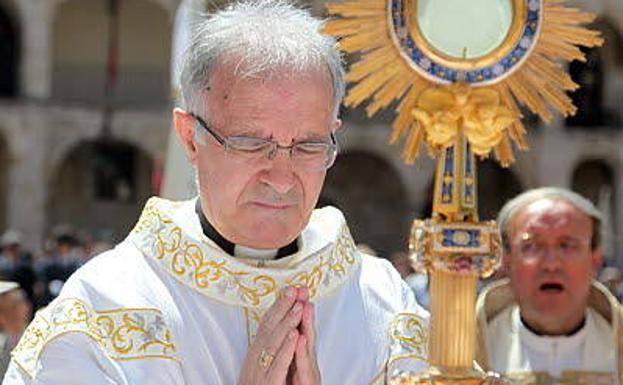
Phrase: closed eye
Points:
(310, 148)
(247, 143)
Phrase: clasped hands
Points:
(283, 352)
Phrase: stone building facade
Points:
(65, 160)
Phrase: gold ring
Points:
(266, 359)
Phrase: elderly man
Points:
(550, 322)
(246, 284)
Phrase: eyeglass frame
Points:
(541, 249)
(222, 140)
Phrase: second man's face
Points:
(551, 264)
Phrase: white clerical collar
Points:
(541, 343)
(248, 252)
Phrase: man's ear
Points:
(185, 124)
(337, 124)
(596, 259)
(505, 265)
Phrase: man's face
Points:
(265, 203)
(14, 312)
(551, 264)
(13, 250)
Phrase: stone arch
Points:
(370, 193)
(589, 97)
(67, 143)
(80, 59)
(496, 185)
(9, 50)
(5, 161)
(595, 179)
(591, 176)
(100, 187)
(593, 76)
(362, 134)
(612, 57)
(611, 51)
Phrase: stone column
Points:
(36, 66)
(553, 161)
(27, 176)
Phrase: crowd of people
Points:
(41, 277)
(29, 282)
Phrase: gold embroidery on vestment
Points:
(123, 334)
(408, 341)
(194, 263)
(409, 337)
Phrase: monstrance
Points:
(460, 70)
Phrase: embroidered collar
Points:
(169, 233)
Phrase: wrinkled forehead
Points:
(551, 216)
(228, 94)
(232, 69)
(227, 78)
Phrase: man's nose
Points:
(551, 258)
(279, 174)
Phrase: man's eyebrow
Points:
(314, 137)
(249, 132)
(572, 238)
(246, 130)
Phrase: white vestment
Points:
(589, 356)
(167, 306)
(591, 349)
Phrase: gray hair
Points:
(514, 206)
(266, 37)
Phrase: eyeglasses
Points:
(568, 249)
(313, 155)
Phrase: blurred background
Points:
(85, 112)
